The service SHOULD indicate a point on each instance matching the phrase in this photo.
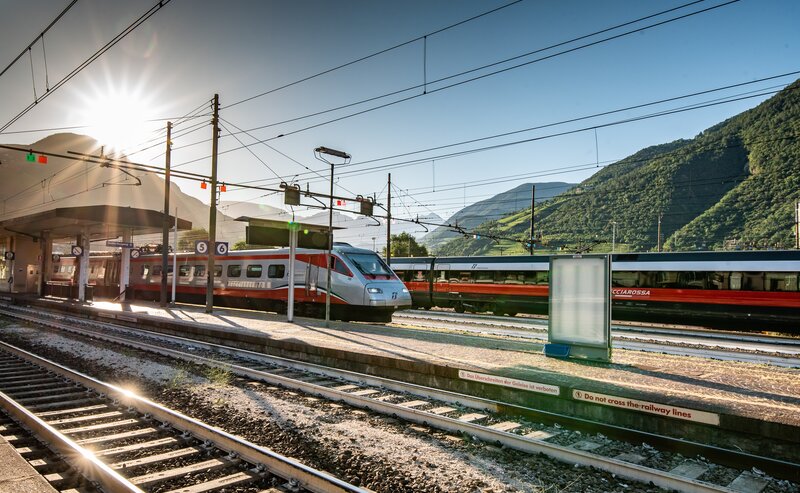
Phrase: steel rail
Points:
(526, 444)
(285, 467)
(83, 460)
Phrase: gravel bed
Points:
(366, 449)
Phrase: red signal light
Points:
(42, 159)
(204, 185)
(223, 188)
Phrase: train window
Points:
(753, 281)
(254, 270)
(340, 267)
(441, 276)
(156, 270)
(184, 270)
(718, 280)
(510, 277)
(694, 280)
(419, 276)
(276, 271)
(736, 280)
(234, 270)
(217, 271)
(199, 270)
(55, 268)
(484, 276)
(781, 281)
(624, 279)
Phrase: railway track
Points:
(778, 351)
(451, 412)
(120, 442)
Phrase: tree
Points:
(186, 240)
(405, 245)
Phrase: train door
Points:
(312, 277)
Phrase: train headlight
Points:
(375, 290)
(405, 290)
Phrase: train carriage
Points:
(742, 290)
(363, 286)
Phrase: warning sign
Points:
(541, 388)
(665, 410)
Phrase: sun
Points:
(119, 120)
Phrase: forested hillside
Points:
(732, 186)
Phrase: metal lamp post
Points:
(320, 153)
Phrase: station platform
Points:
(17, 475)
(682, 396)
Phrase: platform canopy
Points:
(100, 222)
(270, 232)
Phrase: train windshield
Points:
(372, 266)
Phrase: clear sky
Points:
(189, 50)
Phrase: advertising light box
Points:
(580, 304)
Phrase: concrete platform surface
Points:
(16, 475)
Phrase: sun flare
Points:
(119, 121)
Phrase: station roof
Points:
(98, 221)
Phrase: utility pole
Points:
(212, 219)
(613, 235)
(658, 240)
(533, 206)
(166, 223)
(389, 221)
(797, 225)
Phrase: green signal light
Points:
(30, 157)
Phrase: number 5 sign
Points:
(201, 247)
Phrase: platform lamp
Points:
(320, 153)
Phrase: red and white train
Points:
(363, 286)
(738, 290)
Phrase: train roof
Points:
(750, 255)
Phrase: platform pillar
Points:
(125, 266)
(46, 242)
(83, 266)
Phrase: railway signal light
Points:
(367, 205)
(33, 158)
(203, 185)
(223, 188)
(291, 194)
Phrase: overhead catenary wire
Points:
(449, 86)
(131, 27)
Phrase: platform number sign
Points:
(136, 253)
(201, 247)
(77, 250)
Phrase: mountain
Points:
(502, 204)
(30, 187)
(735, 185)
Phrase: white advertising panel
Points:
(580, 295)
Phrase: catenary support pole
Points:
(533, 208)
(175, 258)
(165, 223)
(389, 221)
(212, 219)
